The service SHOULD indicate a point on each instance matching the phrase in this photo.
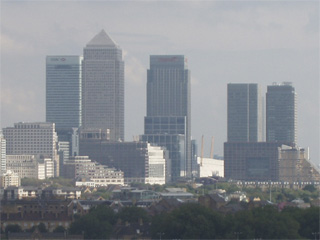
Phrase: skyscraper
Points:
(281, 113)
(244, 113)
(103, 86)
(169, 110)
(63, 91)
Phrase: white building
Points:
(30, 166)
(2, 154)
(37, 138)
(10, 179)
(157, 166)
(88, 173)
(209, 167)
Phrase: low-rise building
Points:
(31, 166)
(10, 178)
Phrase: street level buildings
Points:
(168, 120)
(103, 86)
(63, 91)
(35, 138)
(245, 123)
(281, 113)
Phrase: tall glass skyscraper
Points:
(103, 86)
(245, 123)
(169, 110)
(281, 113)
(63, 91)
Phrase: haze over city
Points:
(240, 42)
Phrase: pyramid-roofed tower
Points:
(102, 39)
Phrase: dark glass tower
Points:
(169, 110)
(244, 113)
(281, 113)
(103, 86)
(63, 91)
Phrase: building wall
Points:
(38, 138)
(251, 161)
(103, 86)
(281, 114)
(131, 158)
(3, 153)
(295, 166)
(10, 179)
(63, 91)
(244, 113)
(169, 95)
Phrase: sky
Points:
(225, 42)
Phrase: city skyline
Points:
(244, 42)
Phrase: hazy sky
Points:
(224, 41)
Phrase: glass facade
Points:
(281, 114)
(244, 113)
(63, 91)
(169, 110)
(103, 86)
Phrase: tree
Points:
(97, 224)
(59, 229)
(133, 214)
(42, 227)
(12, 228)
(190, 221)
(310, 188)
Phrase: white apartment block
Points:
(90, 173)
(10, 179)
(30, 166)
(37, 138)
(157, 165)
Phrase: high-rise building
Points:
(3, 153)
(37, 138)
(281, 113)
(245, 123)
(168, 117)
(63, 91)
(103, 86)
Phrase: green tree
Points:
(59, 229)
(190, 221)
(133, 214)
(42, 227)
(12, 228)
(97, 224)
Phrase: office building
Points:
(63, 91)
(139, 161)
(245, 123)
(36, 138)
(103, 86)
(251, 161)
(87, 172)
(3, 153)
(168, 117)
(281, 114)
(30, 166)
(295, 165)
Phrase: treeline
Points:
(193, 221)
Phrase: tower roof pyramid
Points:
(102, 39)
